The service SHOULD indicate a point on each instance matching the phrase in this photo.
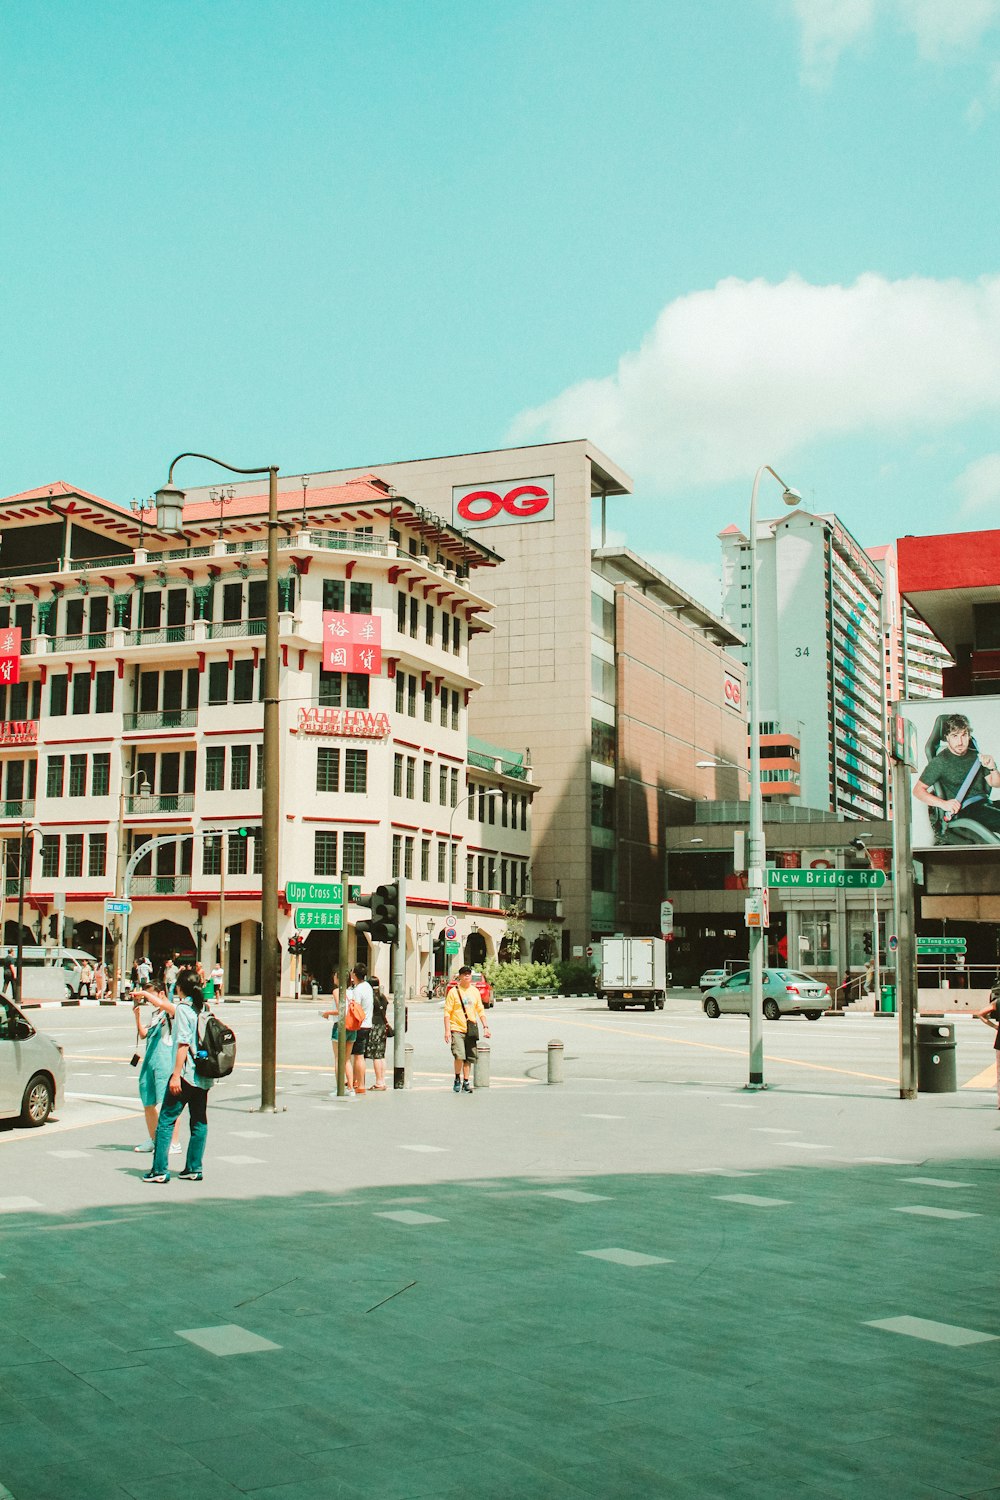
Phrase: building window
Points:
(397, 853)
(602, 743)
(218, 681)
(411, 696)
(425, 859)
(50, 856)
(361, 598)
(444, 708)
(443, 785)
(74, 856)
(445, 630)
(243, 681)
(211, 855)
(400, 691)
(356, 771)
(408, 858)
(357, 690)
(602, 805)
(602, 870)
(236, 863)
(429, 624)
(397, 775)
(55, 768)
(77, 777)
(454, 787)
(411, 772)
(327, 770)
(58, 695)
(81, 693)
(100, 777)
(453, 861)
(239, 772)
(333, 594)
(454, 710)
(414, 617)
(215, 768)
(354, 853)
(400, 612)
(817, 928)
(97, 854)
(427, 781)
(325, 852)
(105, 696)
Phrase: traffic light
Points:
(296, 943)
(383, 924)
(868, 945)
(247, 833)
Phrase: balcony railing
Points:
(162, 718)
(222, 630)
(120, 560)
(88, 642)
(496, 763)
(159, 885)
(339, 541)
(161, 635)
(24, 809)
(163, 802)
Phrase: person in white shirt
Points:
(364, 996)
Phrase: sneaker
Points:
(456, 1087)
(146, 1146)
(347, 1094)
(175, 1146)
(467, 1087)
(156, 1176)
(187, 1176)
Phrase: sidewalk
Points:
(539, 1291)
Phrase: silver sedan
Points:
(786, 993)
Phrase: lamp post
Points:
(495, 792)
(221, 496)
(139, 508)
(860, 845)
(756, 852)
(144, 791)
(26, 835)
(169, 507)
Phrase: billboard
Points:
(956, 785)
(505, 502)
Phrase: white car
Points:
(32, 1069)
(711, 978)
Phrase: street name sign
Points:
(320, 892)
(451, 948)
(117, 907)
(940, 945)
(331, 917)
(824, 880)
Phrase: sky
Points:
(324, 234)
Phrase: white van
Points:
(32, 1070)
(49, 973)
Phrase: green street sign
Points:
(331, 917)
(451, 948)
(322, 892)
(824, 880)
(940, 945)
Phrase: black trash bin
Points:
(936, 1072)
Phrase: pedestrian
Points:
(86, 979)
(7, 974)
(379, 1030)
(100, 981)
(217, 982)
(991, 1016)
(349, 1040)
(170, 972)
(186, 1089)
(157, 1060)
(463, 1006)
(143, 972)
(361, 992)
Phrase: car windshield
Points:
(741, 978)
(792, 976)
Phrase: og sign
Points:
(504, 502)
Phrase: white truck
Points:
(633, 972)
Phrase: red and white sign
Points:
(667, 920)
(10, 654)
(504, 502)
(344, 723)
(733, 692)
(19, 732)
(352, 643)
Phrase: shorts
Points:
(350, 1035)
(360, 1041)
(153, 1079)
(462, 1049)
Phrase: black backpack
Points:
(216, 1052)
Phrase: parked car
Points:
(484, 987)
(786, 993)
(710, 979)
(32, 1070)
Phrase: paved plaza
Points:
(643, 1281)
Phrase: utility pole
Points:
(399, 993)
(904, 759)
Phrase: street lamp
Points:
(222, 496)
(144, 791)
(26, 834)
(169, 510)
(495, 792)
(756, 854)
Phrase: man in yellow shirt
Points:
(462, 1004)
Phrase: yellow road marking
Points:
(983, 1080)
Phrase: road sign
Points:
(319, 892)
(451, 948)
(450, 933)
(114, 907)
(827, 879)
(590, 951)
(667, 919)
(893, 942)
(940, 945)
(331, 917)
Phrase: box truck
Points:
(633, 972)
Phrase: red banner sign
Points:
(19, 732)
(345, 723)
(10, 670)
(352, 643)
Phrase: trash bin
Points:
(887, 1004)
(936, 1057)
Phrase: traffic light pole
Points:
(342, 970)
(399, 994)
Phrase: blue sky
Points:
(320, 234)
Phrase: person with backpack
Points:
(463, 1016)
(195, 1068)
(157, 1060)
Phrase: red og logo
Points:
(506, 504)
(733, 692)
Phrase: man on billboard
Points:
(955, 785)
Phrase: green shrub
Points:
(520, 979)
(575, 977)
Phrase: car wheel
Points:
(771, 1011)
(814, 1015)
(660, 1004)
(712, 1008)
(36, 1106)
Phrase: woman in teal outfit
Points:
(157, 1060)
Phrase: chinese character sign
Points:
(10, 655)
(352, 643)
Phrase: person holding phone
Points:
(156, 1060)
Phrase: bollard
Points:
(481, 1066)
(408, 1066)
(555, 1062)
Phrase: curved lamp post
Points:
(169, 507)
(756, 852)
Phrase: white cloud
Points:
(978, 486)
(942, 29)
(749, 372)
